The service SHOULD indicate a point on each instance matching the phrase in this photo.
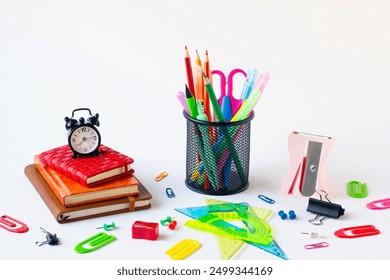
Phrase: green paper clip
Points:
(356, 189)
(94, 242)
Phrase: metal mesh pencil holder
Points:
(217, 156)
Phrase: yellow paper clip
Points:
(161, 176)
(183, 249)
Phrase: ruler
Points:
(230, 247)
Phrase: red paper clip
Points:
(358, 231)
(379, 204)
(12, 225)
(317, 245)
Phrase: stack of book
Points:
(86, 187)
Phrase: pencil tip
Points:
(207, 53)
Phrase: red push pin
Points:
(172, 225)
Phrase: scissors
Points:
(228, 95)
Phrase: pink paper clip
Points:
(12, 225)
(317, 245)
(380, 204)
(358, 231)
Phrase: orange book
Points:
(71, 193)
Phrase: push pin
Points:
(168, 220)
(282, 215)
(172, 225)
(51, 239)
(312, 234)
(292, 215)
(108, 227)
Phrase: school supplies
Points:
(356, 189)
(71, 193)
(219, 152)
(379, 204)
(249, 83)
(324, 209)
(183, 249)
(12, 225)
(308, 164)
(190, 78)
(206, 101)
(266, 199)
(226, 85)
(229, 176)
(169, 192)
(357, 231)
(191, 103)
(108, 227)
(182, 98)
(316, 245)
(145, 230)
(230, 247)
(88, 171)
(64, 214)
(247, 106)
(161, 176)
(94, 243)
(51, 239)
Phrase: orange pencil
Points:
(206, 101)
(198, 79)
(190, 77)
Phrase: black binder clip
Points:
(51, 239)
(323, 209)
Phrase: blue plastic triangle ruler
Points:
(230, 247)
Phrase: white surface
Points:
(330, 66)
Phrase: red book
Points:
(88, 171)
(71, 193)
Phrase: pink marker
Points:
(182, 98)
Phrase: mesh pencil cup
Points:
(217, 158)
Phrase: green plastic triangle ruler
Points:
(230, 247)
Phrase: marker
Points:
(249, 84)
(182, 98)
(191, 103)
(247, 106)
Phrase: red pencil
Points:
(190, 77)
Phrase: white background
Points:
(330, 66)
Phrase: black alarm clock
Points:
(83, 136)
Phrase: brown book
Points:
(71, 193)
(90, 210)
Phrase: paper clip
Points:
(266, 199)
(161, 176)
(169, 192)
(94, 242)
(358, 231)
(183, 249)
(380, 204)
(12, 225)
(317, 245)
(356, 189)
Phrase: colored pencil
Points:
(190, 77)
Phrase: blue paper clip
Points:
(169, 192)
(266, 199)
(94, 242)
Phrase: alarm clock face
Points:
(84, 140)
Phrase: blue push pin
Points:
(282, 215)
(292, 215)
(107, 227)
